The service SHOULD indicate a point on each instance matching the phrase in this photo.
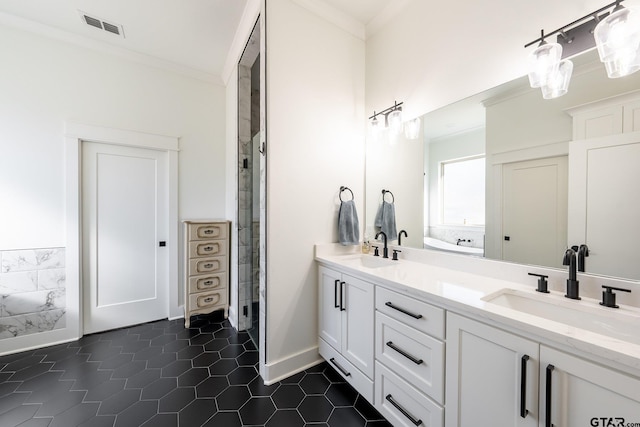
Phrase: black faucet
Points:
(583, 251)
(385, 250)
(400, 236)
(573, 285)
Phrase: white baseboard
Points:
(284, 368)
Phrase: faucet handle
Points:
(609, 298)
(395, 255)
(542, 282)
(375, 251)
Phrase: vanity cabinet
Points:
(493, 377)
(409, 382)
(346, 322)
(486, 376)
(206, 267)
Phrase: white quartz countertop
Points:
(463, 293)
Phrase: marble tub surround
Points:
(459, 284)
(32, 291)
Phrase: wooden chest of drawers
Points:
(206, 268)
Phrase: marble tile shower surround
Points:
(32, 291)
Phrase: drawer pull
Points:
(403, 411)
(523, 386)
(208, 231)
(547, 415)
(208, 265)
(207, 248)
(346, 374)
(208, 299)
(405, 354)
(402, 310)
(208, 282)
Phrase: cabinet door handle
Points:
(344, 371)
(343, 303)
(547, 416)
(416, 422)
(405, 354)
(402, 310)
(335, 293)
(523, 386)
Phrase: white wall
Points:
(45, 83)
(399, 168)
(315, 144)
(435, 53)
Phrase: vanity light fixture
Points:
(393, 122)
(615, 33)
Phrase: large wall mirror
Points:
(510, 176)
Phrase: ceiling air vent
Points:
(101, 24)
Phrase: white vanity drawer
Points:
(207, 265)
(207, 299)
(417, 314)
(207, 282)
(402, 404)
(208, 231)
(416, 357)
(350, 373)
(207, 248)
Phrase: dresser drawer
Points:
(208, 231)
(207, 282)
(207, 248)
(350, 373)
(207, 299)
(402, 404)
(207, 265)
(417, 314)
(414, 356)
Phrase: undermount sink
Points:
(368, 261)
(616, 323)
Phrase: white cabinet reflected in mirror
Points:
(558, 173)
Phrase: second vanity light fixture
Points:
(615, 33)
(391, 119)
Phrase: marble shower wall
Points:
(32, 291)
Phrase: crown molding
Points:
(385, 16)
(335, 16)
(243, 32)
(103, 47)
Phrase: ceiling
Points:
(196, 34)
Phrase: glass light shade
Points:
(558, 84)
(543, 62)
(618, 41)
(412, 128)
(395, 121)
(375, 125)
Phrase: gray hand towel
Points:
(348, 224)
(385, 220)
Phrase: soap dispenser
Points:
(366, 247)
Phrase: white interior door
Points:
(125, 270)
(604, 207)
(535, 211)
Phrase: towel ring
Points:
(343, 188)
(393, 199)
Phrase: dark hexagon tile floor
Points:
(160, 374)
